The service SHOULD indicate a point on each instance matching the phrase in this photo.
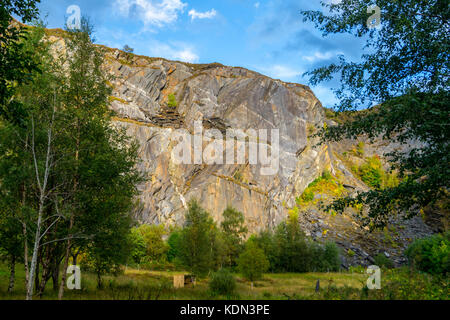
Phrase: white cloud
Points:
(151, 12)
(174, 51)
(319, 56)
(282, 72)
(202, 15)
(257, 4)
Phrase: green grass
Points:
(142, 285)
(155, 285)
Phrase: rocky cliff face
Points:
(223, 98)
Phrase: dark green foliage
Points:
(11, 238)
(174, 245)
(293, 254)
(155, 246)
(328, 258)
(197, 240)
(108, 251)
(128, 49)
(431, 254)
(92, 176)
(16, 64)
(252, 263)
(382, 261)
(128, 52)
(397, 284)
(234, 231)
(266, 241)
(138, 247)
(222, 283)
(289, 250)
(405, 70)
(100, 174)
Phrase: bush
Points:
(174, 245)
(172, 101)
(350, 253)
(360, 149)
(331, 257)
(397, 284)
(289, 250)
(222, 283)
(326, 175)
(252, 263)
(382, 261)
(308, 196)
(372, 172)
(431, 255)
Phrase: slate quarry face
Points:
(220, 98)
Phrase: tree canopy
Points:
(16, 64)
(403, 80)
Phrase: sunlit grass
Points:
(157, 285)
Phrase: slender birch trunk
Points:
(42, 197)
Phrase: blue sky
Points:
(268, 36)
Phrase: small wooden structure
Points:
(178, 281)
(182, 280)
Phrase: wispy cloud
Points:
(174, 51)
(317, 56)
(194, 14)
(281, 72)
(151, 12)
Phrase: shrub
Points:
(174, 245)
(222, 283)
(155, 246)
(357, 269)
(360, 149)
(351, 253)
(325, 184)
(330, 258)
(289, 250)
(326, 175)
(308, 196)
(172, 101)
(382, 261)
(252, 263)
(431, 255)
(372, 172)
(266, 241)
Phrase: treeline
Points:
(202, 247)
(67, 176)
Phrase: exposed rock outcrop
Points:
(224, 98)
(221, 98)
